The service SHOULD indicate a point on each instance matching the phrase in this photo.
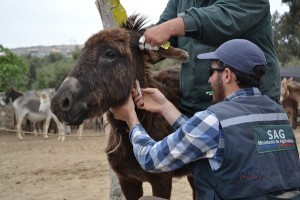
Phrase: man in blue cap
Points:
(242, 147)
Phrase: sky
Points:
(26, 23)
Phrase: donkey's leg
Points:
(19, 125)
(35, 129)
(80, 130)
(61, 128)
(161, 184)
(132, 189)
(46, 126)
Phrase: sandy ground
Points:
(38, 169)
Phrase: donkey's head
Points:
(105, 72)
(10, 96)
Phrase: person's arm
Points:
(192, 141)
(224, 20)
(212, 25)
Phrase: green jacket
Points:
(208, 24)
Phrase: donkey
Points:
(104, 77)
(290, 88)
(44, 108)
(290, 98)
(28, 107)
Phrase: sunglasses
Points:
(211, 70)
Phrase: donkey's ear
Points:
(171, 53)
(174, 53)
(283, 80)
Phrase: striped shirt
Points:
(200, 137)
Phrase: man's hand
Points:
(153, 100)
(155, 36)
(126, 112)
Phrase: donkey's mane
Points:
(135, 22)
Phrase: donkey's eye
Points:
(110, 54)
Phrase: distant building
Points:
(41, 51)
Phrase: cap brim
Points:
(210, 56)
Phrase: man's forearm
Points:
(170, 113)
(132, 120)
(175, 27)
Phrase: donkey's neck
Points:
(14, 95)
(294, 93)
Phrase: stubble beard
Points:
(219, 92)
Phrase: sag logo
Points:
(273, 138)
(276, 134)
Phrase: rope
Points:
(106, 123)
(49, 134)
(117, 147)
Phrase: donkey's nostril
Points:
(65, 103)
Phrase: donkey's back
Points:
(29, 108)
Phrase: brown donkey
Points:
(103, 77)
(290, 98)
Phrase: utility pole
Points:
(112, 14)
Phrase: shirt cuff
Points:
(190, 24)
(136, 129)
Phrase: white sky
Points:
(25, 23)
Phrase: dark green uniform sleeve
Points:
(210, 23)
(224, 20)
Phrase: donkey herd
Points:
(34, 109)
(103, 77)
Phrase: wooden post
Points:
(115, 189)
(112, 14)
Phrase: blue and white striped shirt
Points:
(199, 137)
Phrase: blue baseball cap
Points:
(239, 54)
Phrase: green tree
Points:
(54, 57)
(13, 71)
(286, 30)
(76, 53)
(34, 63)
(52, 74)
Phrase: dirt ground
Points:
(38, 169)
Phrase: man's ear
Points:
(229, 76)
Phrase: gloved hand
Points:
(143, 45)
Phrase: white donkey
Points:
(31, 108)
(44, 108)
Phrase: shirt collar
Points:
(245, 92)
